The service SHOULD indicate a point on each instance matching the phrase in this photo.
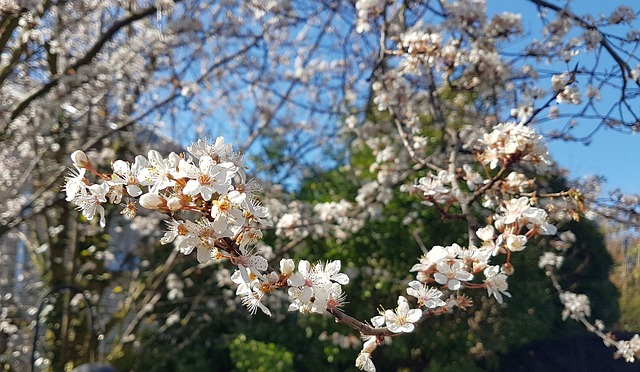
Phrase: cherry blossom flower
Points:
(628, 349)
(217, 150)
(427, 296)
(452, 275)
(89, 201)
(402, 319)
(74, 183)
(210, 177)
(496, 282)
(363, 361)
(175, 229)
(202, 236)
(161, 172)
(250, 262)
(311, 286)
(576, 306)
(431, 258)
(227, 212)
(125, 174)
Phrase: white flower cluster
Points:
(419, 46)
(514, 215)
(509, 142)
(566, 91)
(550, 259)
(300, 220)
(433, 188)
(312, 289)
(367, 9)
(315, 288)
(454, 268)
(211, 183)
(576, 306)
(628, 349)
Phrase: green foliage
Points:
(630, 301)
(586, 269)
(256, 356)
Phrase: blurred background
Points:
(290, 84)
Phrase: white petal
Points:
(341, 278)
(333, 267)
(134, 190)
(414, 315)
(220, 225)
(206, 192)
(120, 167)
(304, 266)
(259, 263)
(191, 188)
(204, 255)
(378, 321)
(296, 280)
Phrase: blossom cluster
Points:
(210, 182)
(508, 143)
(444, 272)
(213, 209)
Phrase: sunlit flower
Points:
(402, 319)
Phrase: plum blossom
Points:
(89, 201)
(125, 174)
(74, 183)
(363, 361)
(427, 297)
(452, 275)
(227, 212)
(208, 178)
(431, 258)
(216, 150)
(175, 229)
(576, 306)
(202, 236)
(515, 210)
(496, 282)
(250, 263)
(161, 172)
(402, 319)
(312, 286)
(509, 142)
(628, 349)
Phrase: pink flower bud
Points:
(153, 201)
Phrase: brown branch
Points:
(367, 330)
(624, 66)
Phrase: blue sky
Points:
(611, 154)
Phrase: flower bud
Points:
(174, 203)
(287, 266)
(80, 159)
(508, 269)
(153, 201)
